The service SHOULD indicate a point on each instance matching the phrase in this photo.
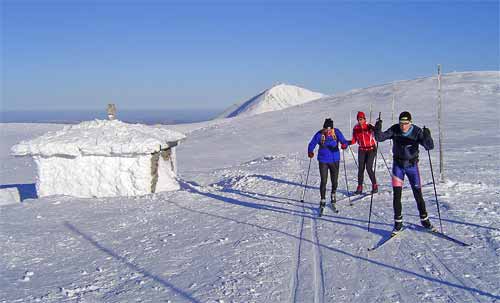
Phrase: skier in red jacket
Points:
(364, 134)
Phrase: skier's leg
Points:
(414, 179)
(334, 175)
(417, 193)
(397, 189)
(323, 172)
(370, 157)
(362, 158)
(361, 171)
(416, 186)
(396, 203)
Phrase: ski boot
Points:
(398, 226)
(359, 190)
(426, 223)
(333, 200)
(374, 188)
(322, 204)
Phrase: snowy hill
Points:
(278, 97)
(237, 230)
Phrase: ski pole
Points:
(307, 178)
(356, 162)
(374, 170)
(387, 166)
(346, 183)
(354, 158)
(435, 192)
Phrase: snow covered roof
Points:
(99, 137)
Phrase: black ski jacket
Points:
(405, 148)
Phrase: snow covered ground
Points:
(236, 231)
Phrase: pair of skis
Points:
(433, 231)
(334, 208)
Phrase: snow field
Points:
(236, 231)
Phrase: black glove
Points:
(378, 125)
(427, 133)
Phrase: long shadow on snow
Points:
(189, 187)
(269, 197)
(26, 191)
(134, 267)
(374, 262)
(269, 178)
(376, 231)
(463, 223)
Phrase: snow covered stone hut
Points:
(104, 158)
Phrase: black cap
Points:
(405, 117)
(328, 123)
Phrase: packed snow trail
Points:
(394, 291)
(308, 279)
(264, 246)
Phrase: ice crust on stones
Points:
(102, 158)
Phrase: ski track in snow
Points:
(423, 259)
(328, 262)
(308, 257)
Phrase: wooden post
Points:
(392, 109)
(370, 121)
(350, 121)
(440, 118)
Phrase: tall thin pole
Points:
(374, 171)
(370, 121)
(350, 120)
(346, 183)
(440, 117)
(392, 109)
(307, 178)
(435, 191)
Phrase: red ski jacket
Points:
(364, 135)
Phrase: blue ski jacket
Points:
(328, 151)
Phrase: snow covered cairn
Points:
(103, 158)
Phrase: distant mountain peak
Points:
(278, 97)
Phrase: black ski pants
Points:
(365, 160)
(334, 175)
(398, 207)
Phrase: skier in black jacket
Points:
(406, 138)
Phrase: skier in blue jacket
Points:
(328, 140)
(406, 138)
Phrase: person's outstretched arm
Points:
(381, 136)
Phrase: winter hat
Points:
(360, 115)
(328, 123)
(405, 117)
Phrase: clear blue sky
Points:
(72, 54)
